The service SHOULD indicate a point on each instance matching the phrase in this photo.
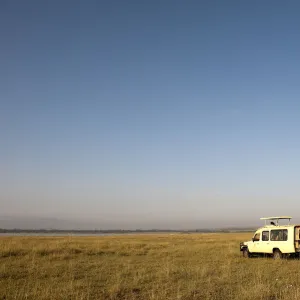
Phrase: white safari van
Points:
(274, 239)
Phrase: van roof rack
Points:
(276, 218)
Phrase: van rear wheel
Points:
(277, 254)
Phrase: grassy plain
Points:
(166, 266)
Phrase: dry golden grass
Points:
(180, 266)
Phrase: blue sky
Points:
(135, 113)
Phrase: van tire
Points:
(277, 254)
(246, 253)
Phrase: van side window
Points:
(279, 235)
(265, 235)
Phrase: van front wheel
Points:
(277, 254)
(246, 253)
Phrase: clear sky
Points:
(150, 113)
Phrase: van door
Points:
(256, 242)
(279, 239)
(265, 246)
(297, 238)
